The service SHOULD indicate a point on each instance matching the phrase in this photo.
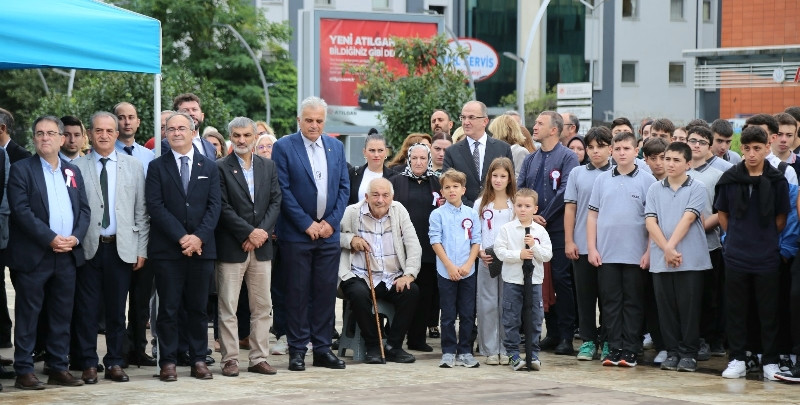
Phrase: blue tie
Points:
(185, 173)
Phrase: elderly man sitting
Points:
(379, 229)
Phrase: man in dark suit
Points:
(183, 198)
(251, 200)
(12, 153)
(312, 172)
(475, 152)
(49, 217)
(115, 247)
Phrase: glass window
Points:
(323, 3)
(630, 8)
(381, 4)
(706, 10)
(629, 72)
(565, 61)
(676, 73)
(676, 9)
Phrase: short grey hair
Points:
(514, 113)
(184, 115)
(242, 122)
(313, 102)
(484, 110)
(99, 114)
(266, 136)
(376, 180)
(50, 118)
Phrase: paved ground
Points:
(562, 380)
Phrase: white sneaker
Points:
(770, 370)
(660, 357)
(448, 360)
(647, 343)
(503, 359)
(467, 360)
(493, 360)
(309, 349)
(736, 369)
(280, 347)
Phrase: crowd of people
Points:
(670, 239)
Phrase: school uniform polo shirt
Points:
(579, 189)
(709, 176)
(668, 206)
(619, 200)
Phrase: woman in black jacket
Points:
(375, 153)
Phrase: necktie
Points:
(476, 157)
(185, 173)
(128, 150)
(104, 188)
(318, 180)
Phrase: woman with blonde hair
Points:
(507, 129)
(263, 128)
(398, 162)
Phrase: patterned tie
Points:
(104, 188)
(128, 150)
(185, 173)
(476, 157)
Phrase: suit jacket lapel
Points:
(72, 192)
(238, 173)
(172, 170)
(260, 180)
(198, 163)
(38, 180)
(467, 156)
(94, 177)
(302, 155)
(333, 178)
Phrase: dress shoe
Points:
(420, 347)
(398, 355)
(184, 359)
(6, 362)
(39, 355)
(200, 371)
(7, 374)
(297, 361)
(141, 359)
(328, 360)
(89, 375)
(209, 360)
(230, 368)
(244, 344)
(565, 347)
(373, 356)
(63, 378)
(262, 368)
(168, 373)
(115, 373)
(28, 382)
(433, 332)
(548, 343)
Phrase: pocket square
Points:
(201, 177)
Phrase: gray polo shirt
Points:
(709, 176)
(668, 207)
(619, 201)
(719, 164)
(579, 189)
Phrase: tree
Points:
(409, 96)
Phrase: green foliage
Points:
(100, 91)
(410, 96)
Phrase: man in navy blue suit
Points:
(312, 173)
(184, 201)
(49, 217)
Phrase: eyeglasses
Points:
(702, 142)
(469, 117)
(265, 147)
(49, 134)
(171, 130)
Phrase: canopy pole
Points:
(157, 113)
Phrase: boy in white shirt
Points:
(520, 240)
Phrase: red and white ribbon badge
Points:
(467, 225)
(487, 214)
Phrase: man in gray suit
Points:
(115, 246)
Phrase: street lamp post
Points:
(258, 65)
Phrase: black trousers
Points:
(5, 318)
(586, 292)
(738, 289)
(182, 284)
(139, 309)
(712, 318)
(679, 296)
(104, 278)
(651, 313)
(784, 307)
(561, 317)
(357, 291)
(621, 288)
(794, 299)
(51, 285)
(428, 286)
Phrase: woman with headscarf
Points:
(418, 189)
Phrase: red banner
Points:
(354, 42)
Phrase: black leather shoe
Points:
(184, 359)
(398, 355)
(373, 356)
(328, 360)
(141, 359)
(297, 361)
(7, 374)
(548, 343)
(420, 347)
(39, 355)
(565, 347)
(210, 360)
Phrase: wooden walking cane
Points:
(375, 306)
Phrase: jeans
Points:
(457, 298)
